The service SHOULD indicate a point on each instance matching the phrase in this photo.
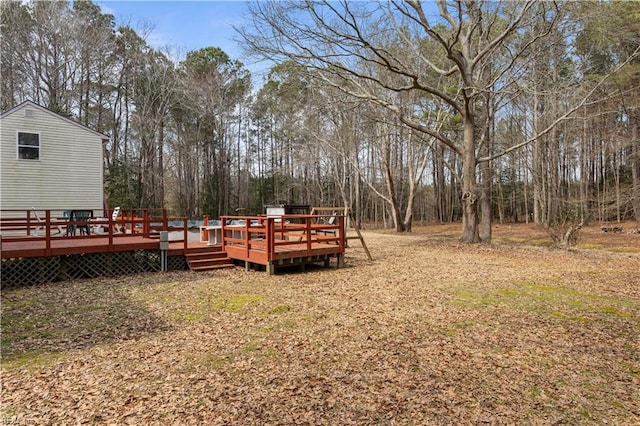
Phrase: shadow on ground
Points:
(71, 315)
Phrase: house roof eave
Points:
(32, 104)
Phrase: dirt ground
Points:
(431, 332)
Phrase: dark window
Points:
(28, 146)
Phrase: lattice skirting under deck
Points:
(36, 270)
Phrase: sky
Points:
(183, 26)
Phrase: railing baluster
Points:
(307, 221)
(47, 226)
(185, 232)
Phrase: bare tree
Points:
(15, 42)
(96, 76)
(213, 85)
(351, 44)
(154, 89)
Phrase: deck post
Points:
(185, 232)
(204, 234)
(340, 261)
(307, 221)
(341, 232)
(271, 268)
(246, 235)
(222, 231)
(112, 223)
(270, 239)
(47, 232)
(28, 222)
(165, 220)
(146, 225)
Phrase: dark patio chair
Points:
(80, 216)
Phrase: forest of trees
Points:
(405, 111)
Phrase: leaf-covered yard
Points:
(431, 332)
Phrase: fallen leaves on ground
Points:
(431, 332)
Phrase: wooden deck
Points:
(283, 241)
(27, 233)
(273, 242)
(38, 247)
(61, 246)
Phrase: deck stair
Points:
(208, 258)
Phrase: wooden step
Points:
(208, 258)
(210, 266)
(205, 255)
(205, 249)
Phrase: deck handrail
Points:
(278, 231)
(19, 225)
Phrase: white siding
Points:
(68, 174)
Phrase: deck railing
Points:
(49, 225)
(266, 234)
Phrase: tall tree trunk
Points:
(469, 189)
(584, 175)
(393, 198)
(486, 174)
(160, 184)
(439, 186)
(635, 164)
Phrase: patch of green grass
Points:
(565, 316)
(613, 311)
(270, 352)
(460, 325)
(194, 316)
(534, 391)
(634, 370)
(554, 300)
(605, 247)
(32, 360)
(259, 350)
(19, 326)
(236, 302)
(280, 309)
(194, 301)
(164, 293)
(199, 306)
(16, 304)
(212, 360)
(586, 414)
(252, 346)
(620, 249)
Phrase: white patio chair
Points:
(42, 223)
(99, 228)
(114, 218)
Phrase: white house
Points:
(48, 161)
